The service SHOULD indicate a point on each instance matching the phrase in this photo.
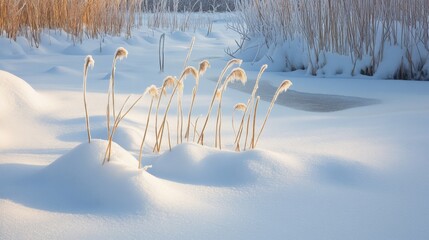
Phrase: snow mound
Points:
(191, 163)
(62, 70)
(11, 49)
(343, 172)
(181, 36)
(126, 137)
(75, 50)
(77, 181)
(16, 94)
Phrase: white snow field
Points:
(340, 158)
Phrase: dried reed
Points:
(191, 47)
(236, 74)
(284, 86)
(204, 65)
(249, 105)
(79, 19)
(154, 93)
(168, 82)
(116, 125)
(215, 93)
(89, 62)
(119, 55)
(188, 70)
(238, 107)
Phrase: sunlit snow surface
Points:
(340, 158)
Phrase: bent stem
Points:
(119, 54)
(284, 86)
(168, 82)
(89, 62)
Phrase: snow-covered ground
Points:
(340, 158)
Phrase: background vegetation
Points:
(360, 29)
(365, 31)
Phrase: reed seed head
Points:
(235, 61)
(89, 62)
(152, 90)
(237, 74)
(204, 65)
(240, 107)
(169, 81)
(121, 53)
(189, 70)
(285, 85)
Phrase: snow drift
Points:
(78, 182)
(16, 94)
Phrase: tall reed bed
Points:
(97, 18)
(359, 29)
(79, 18)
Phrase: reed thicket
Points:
(83, 19)
(355, 28)
(79, 18)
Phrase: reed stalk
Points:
(204, 65)
(119, 55)
(215, 93)
(188, 70)
(89, 63)
(249, 105)
(169, 81)
(284, 86)
(236, 74)
(153, 92)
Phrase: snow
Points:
(341, 157)
(16, 94)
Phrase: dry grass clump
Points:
(155, 94)
(187, 71)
